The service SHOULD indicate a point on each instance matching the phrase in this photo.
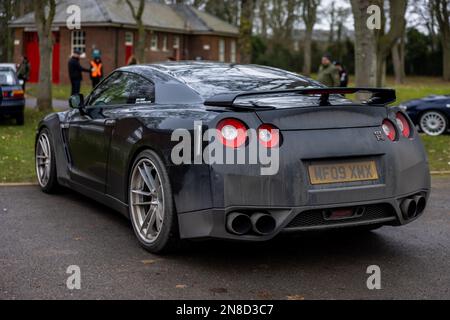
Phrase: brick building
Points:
(180, 32)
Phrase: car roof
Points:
(169, 70)
(172, 67)
(8, 66)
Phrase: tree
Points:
(10, 9)
(442, 13)
(142, 33)
(263, 17)
(386, 41)
(331, 13)
(309, 15)
(44, 11)
(227, 10)
(398, 60)
(365, 46)
(245, 30)
(342, 15)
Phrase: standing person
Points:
(328, 73)
(76, 72)
(343, 75)
(96, 68)
(23, 72)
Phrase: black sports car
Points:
(198, 150)
(431, 114)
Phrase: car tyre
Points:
(151, 205)
(46, 162)
(433, 123)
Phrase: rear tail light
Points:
(232, 133)
(5, 94)
(389, 130)
(18, 94)
(404, 125)
(269, 136)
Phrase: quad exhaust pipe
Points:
(412, 207)
(241, 224)
(263, 224)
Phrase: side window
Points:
(123, 88)
(141, 90)
(110, 92)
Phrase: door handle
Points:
(110, 123)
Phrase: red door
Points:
(32, 52)
(129, 46)
(31, 40)
(128, 53)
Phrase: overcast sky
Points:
(324, 24)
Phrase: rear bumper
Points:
(211, 224)
(295, 202)
(12, 107)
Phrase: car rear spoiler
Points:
(379, 96)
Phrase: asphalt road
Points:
(41, 236)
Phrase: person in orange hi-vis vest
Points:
(96, 68)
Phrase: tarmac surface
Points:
(42, 235)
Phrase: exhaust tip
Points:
(263, 224)
(409, 208)
(421, 204)
(239, 223)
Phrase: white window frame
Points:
(222, 50)
(78, 42)
(176, 42)
(164, 42)
(154, 42)
(129, 38)
(233, 51)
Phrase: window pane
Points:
(123, 88)
(141, 90)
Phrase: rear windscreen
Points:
(215, 80)
(7, 78)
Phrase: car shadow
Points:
(293, 249)
(7, 121)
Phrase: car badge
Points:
(379, 135)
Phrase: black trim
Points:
(379, 96)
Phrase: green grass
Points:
(17, 148)
(415, 87)
(419, 87)
(60, 91)
(438, 149)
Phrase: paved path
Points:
(41, 236)
(57, 104)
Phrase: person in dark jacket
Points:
(343, 74)
(76, 72)
(23, 72)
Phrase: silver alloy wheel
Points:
(433, 123)
(43, 159)
(147, 201)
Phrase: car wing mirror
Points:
(76, 101)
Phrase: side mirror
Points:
(76, 101)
